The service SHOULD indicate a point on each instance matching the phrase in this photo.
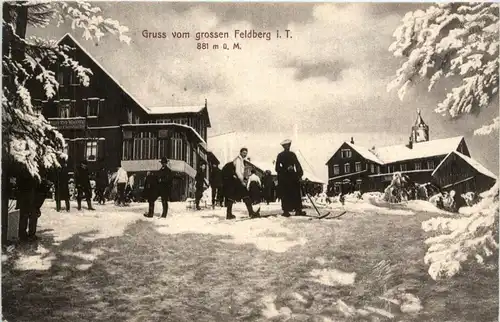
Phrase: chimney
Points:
(410, 143)
(352, 140)
(205, 103)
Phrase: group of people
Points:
(237, 188)
(229, 185)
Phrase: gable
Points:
(69, 40)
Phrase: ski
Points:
(338, 216)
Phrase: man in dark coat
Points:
(268, 187)
(151, 192)
(32, 194)
(289, 173)
(82, 182)
(101, 183)
(199, 184)
(61, 188)
(164, 185)
(216, 184)
(234, 187)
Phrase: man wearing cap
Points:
(289, 173)
(164, 185)
(234, 186)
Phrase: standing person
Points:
(254, 188)
(82, 182)
(199, 184)
(151, 192)
(26, 199)
(121, 183)
(216, 184)
(268, 186)
(61, 185)
(102, 182)
(289, 173)
(164, 185)
(234, 187)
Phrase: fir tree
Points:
(29, 142)
(457, 41)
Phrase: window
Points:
(345, 153)
(347, 168)
(430, 164)
(145, 146)
(336, 169)
(378, 169)
(358, 166)
(402, 167)
(188, 154)
(390, 168)
(92, 106)
(418, 166)
(129, 115)
(336, 188)
(60, 78)
(358, 184)
(65, 109)
(176, 148)
(73, 79)
(372, 168)
(91, 150)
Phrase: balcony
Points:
(154, 165)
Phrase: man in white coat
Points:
(121, 183)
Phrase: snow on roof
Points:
(104, 70)
(149, 110)
(395, 153)
(473, 163)
(365, 153)
(175, 109)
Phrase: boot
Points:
(165, 209)
(229, 210)
(286, 214)
(151, 210)
(89, 204)
(251, 213)
(67, 205)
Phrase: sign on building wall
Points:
(162, 134)
(68, 124)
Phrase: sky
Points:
(328, 80)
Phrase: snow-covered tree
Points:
(458, 42)
(29, 141)
(473, 235)
(455, 41)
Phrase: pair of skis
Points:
(320, 216)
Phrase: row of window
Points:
(67, 108)
(376, 168)
(147, 146)
(195, 122)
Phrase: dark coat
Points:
(61, 181)
(215, 179)
(151, 187)
(101, 179)
(82, 178)
(200, 180)
(232, 188)
(255, 192)
(289, 173)
(268, 187)
(165, 178)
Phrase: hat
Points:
(164, 160)
(286, 142)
